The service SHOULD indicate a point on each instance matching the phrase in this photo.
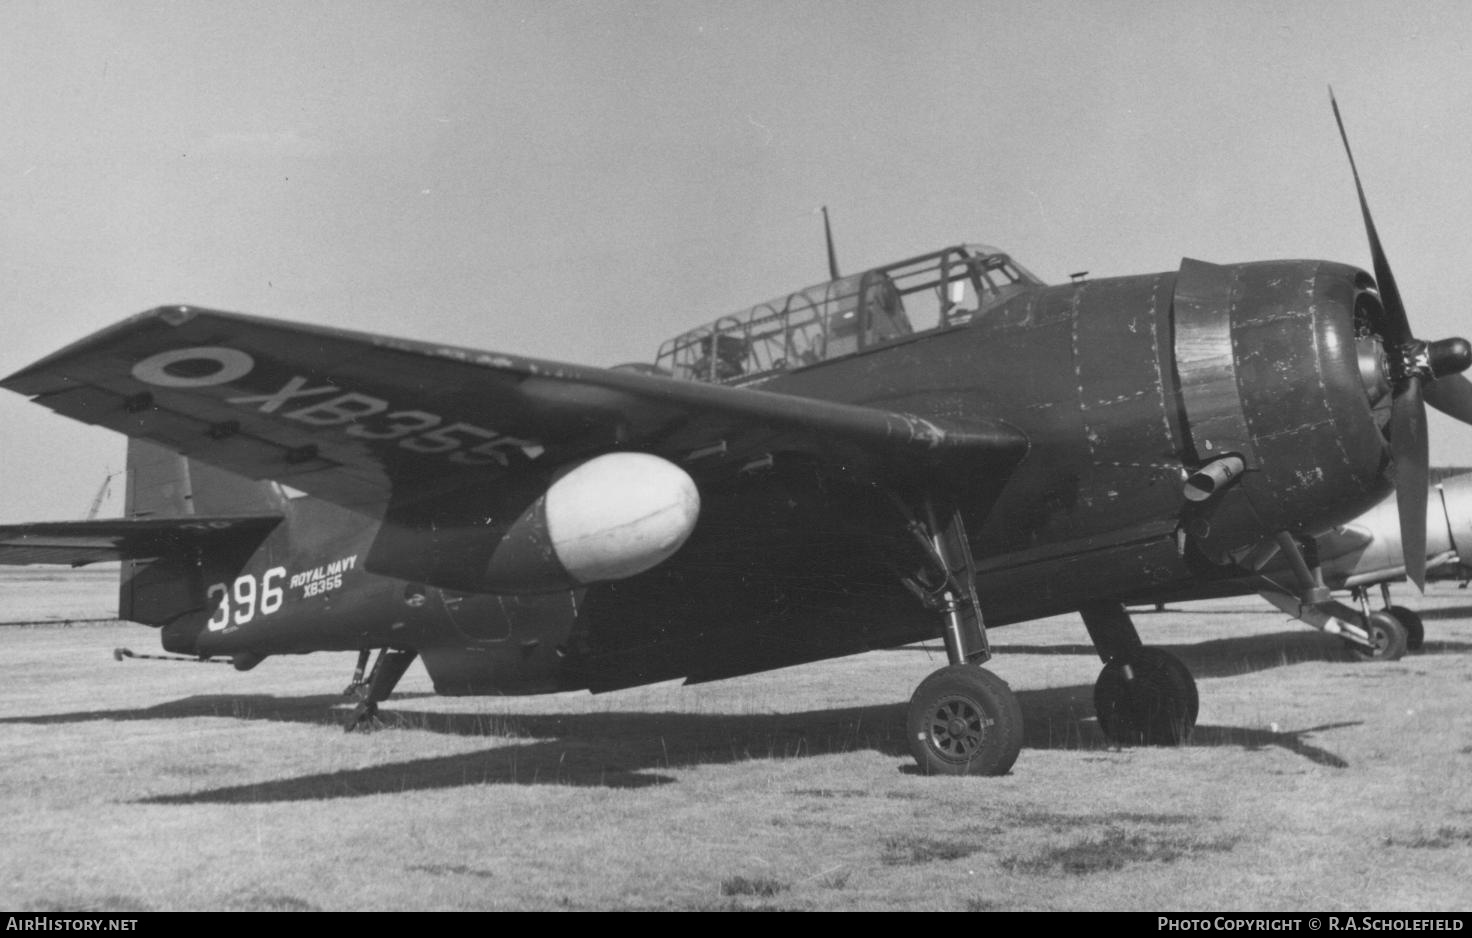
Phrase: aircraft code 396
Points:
(239, 602)
(360, 415)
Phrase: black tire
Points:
(1415, 628)
(964, 720)
(1147, 699)
(1389, 636)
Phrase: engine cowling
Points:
(1275, 376)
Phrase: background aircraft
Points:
(856, 465)
(1358, 556)
(1367, 552)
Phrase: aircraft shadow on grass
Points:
(1232, 657)
(313, 708)
(636, 750)
(640, 749)
(1446, 613)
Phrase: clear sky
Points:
(580, 180)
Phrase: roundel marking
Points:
(200, 367)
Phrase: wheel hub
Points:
(959, 727)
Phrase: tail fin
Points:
(164, 484)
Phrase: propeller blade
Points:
(1412, 475)
(1452, 396)
(1396, 329)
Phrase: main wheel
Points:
(964, 720)
(1389, 636)
(1146, 699)
(1415, 628)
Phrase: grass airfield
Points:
(1314, 782)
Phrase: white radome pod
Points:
(619, 514)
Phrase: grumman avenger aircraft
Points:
(940, 445)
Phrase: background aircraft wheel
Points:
(1415, 628)
(1154, 705)
(964, 720)
(1389, 636)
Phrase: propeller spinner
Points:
(1421, 373)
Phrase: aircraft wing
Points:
(78, 543)
(352, 417)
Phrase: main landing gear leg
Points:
(963, 719)
(1144, 695)
(390, 666)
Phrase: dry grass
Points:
(1312, 783)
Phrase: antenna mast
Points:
(828, 236)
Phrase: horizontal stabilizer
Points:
(76, 543)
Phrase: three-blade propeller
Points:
(1421, 373)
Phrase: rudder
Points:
(163, 484)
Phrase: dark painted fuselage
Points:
(1122, 387)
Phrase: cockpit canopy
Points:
(847, 315)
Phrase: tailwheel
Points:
(964, 720)
(1387, 635)
(1415, 628)
(363, 719)
(1146, 697)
